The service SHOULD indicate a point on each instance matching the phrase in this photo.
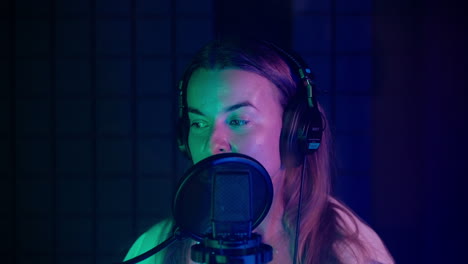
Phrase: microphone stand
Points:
(248, 250)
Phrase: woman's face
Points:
(233, 110)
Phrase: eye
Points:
(198, 124)
(238, 122)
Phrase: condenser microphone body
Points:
(219, 202)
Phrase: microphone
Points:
(231, 205)
(219, 202)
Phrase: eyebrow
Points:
(227, 109)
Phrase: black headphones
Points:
(302, 126)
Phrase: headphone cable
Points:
(298, 220)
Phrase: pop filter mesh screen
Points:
(223, 195)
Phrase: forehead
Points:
(222, 87)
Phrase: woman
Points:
(236, 96)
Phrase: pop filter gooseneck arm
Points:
(178, 235)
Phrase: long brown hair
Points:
(320, 226)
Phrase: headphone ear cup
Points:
(182, 137)
(291, 155)
(301, 133)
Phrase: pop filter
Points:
(244, 181)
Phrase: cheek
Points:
(264, 147)
(195, 144)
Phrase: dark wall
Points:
(88, 118)
(420, 141)
(263, 19)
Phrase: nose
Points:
(219, 141)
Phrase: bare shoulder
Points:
(152, 237)
(372, 245)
